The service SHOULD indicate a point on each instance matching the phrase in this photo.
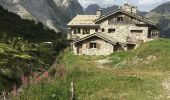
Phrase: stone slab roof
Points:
(103, 36)
(127, 13)
(83, 20)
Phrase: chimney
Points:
(134, 9)
(99, 13)
(129, 8)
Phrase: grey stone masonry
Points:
(117, 31)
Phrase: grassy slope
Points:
(21, 48)
(13, 63)
(131, 75)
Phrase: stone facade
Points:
(120, 30)
(102, 47)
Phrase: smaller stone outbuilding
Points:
(97, 44)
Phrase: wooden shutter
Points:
(98, 46)
(87, 45)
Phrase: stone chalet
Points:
(119, 30)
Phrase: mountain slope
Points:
(52, 13)
(13, 26)
(91, 9)
(25, 46)
(161, 15)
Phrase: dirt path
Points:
(100, 63)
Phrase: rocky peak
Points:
(91, 9)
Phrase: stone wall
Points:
(122, 31)
(105, 47)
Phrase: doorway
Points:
(79, 49)
(118, 47)
(131, 46)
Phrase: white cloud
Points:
(103, 3)
(149, 2)
(145, 5)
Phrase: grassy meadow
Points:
(141, 74)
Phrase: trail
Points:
(100, 63)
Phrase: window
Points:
(111, 30)
(96, 30)
(137, 32)
(77, 30)
(93, 45)
(103, 29)
(86, 31)
(120, 19)
(154, 33)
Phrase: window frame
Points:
(119, 19)
(111, 30)
(77, 30)
(103, 30)
(86, 30)
(93, 45)
(136, 32)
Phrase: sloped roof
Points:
(127, 13)
(83, 20)
(103, 36)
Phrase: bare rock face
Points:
(52, 13)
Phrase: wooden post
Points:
(73, 97)
(4, 95)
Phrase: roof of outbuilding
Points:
(83, 20)
(103, 36)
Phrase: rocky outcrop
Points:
(53, 13)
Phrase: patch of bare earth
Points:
(166, 86)
(100, 63)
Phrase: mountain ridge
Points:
(161, 15)
(55, 13)
(91, 9)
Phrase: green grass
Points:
(139, 77)
(14, 63)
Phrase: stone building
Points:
(101, 34)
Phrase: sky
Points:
(143, 5)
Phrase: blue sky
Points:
(144, 5)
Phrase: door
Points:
(79, 49)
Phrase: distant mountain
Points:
(53, 13)
(161, 9)
(161, 15)
(91, 9)
(14, 26)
